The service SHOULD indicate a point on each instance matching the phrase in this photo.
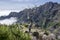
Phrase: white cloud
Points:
(16, 4)
(8, 21)
(2, 13)
(6, 12)
(25, 0)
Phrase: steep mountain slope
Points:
(44, 15)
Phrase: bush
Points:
(12, 33)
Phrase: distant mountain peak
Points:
(48, 12)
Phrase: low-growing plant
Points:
(12, 33)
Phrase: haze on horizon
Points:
(22, 4)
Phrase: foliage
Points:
(12, 33)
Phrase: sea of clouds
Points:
(10, 20)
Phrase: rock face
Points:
(44, 15)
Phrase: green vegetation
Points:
(12, 32)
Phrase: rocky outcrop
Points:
(44, 15)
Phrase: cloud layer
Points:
(22, 4)
(8, 21)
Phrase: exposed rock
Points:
(41, 16)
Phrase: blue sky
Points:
(22, 4)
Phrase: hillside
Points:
(44, 19)
(43, 15)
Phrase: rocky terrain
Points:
(46, 16)
(49, 12)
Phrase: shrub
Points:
(12, 33)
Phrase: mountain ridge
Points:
(42, 15)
